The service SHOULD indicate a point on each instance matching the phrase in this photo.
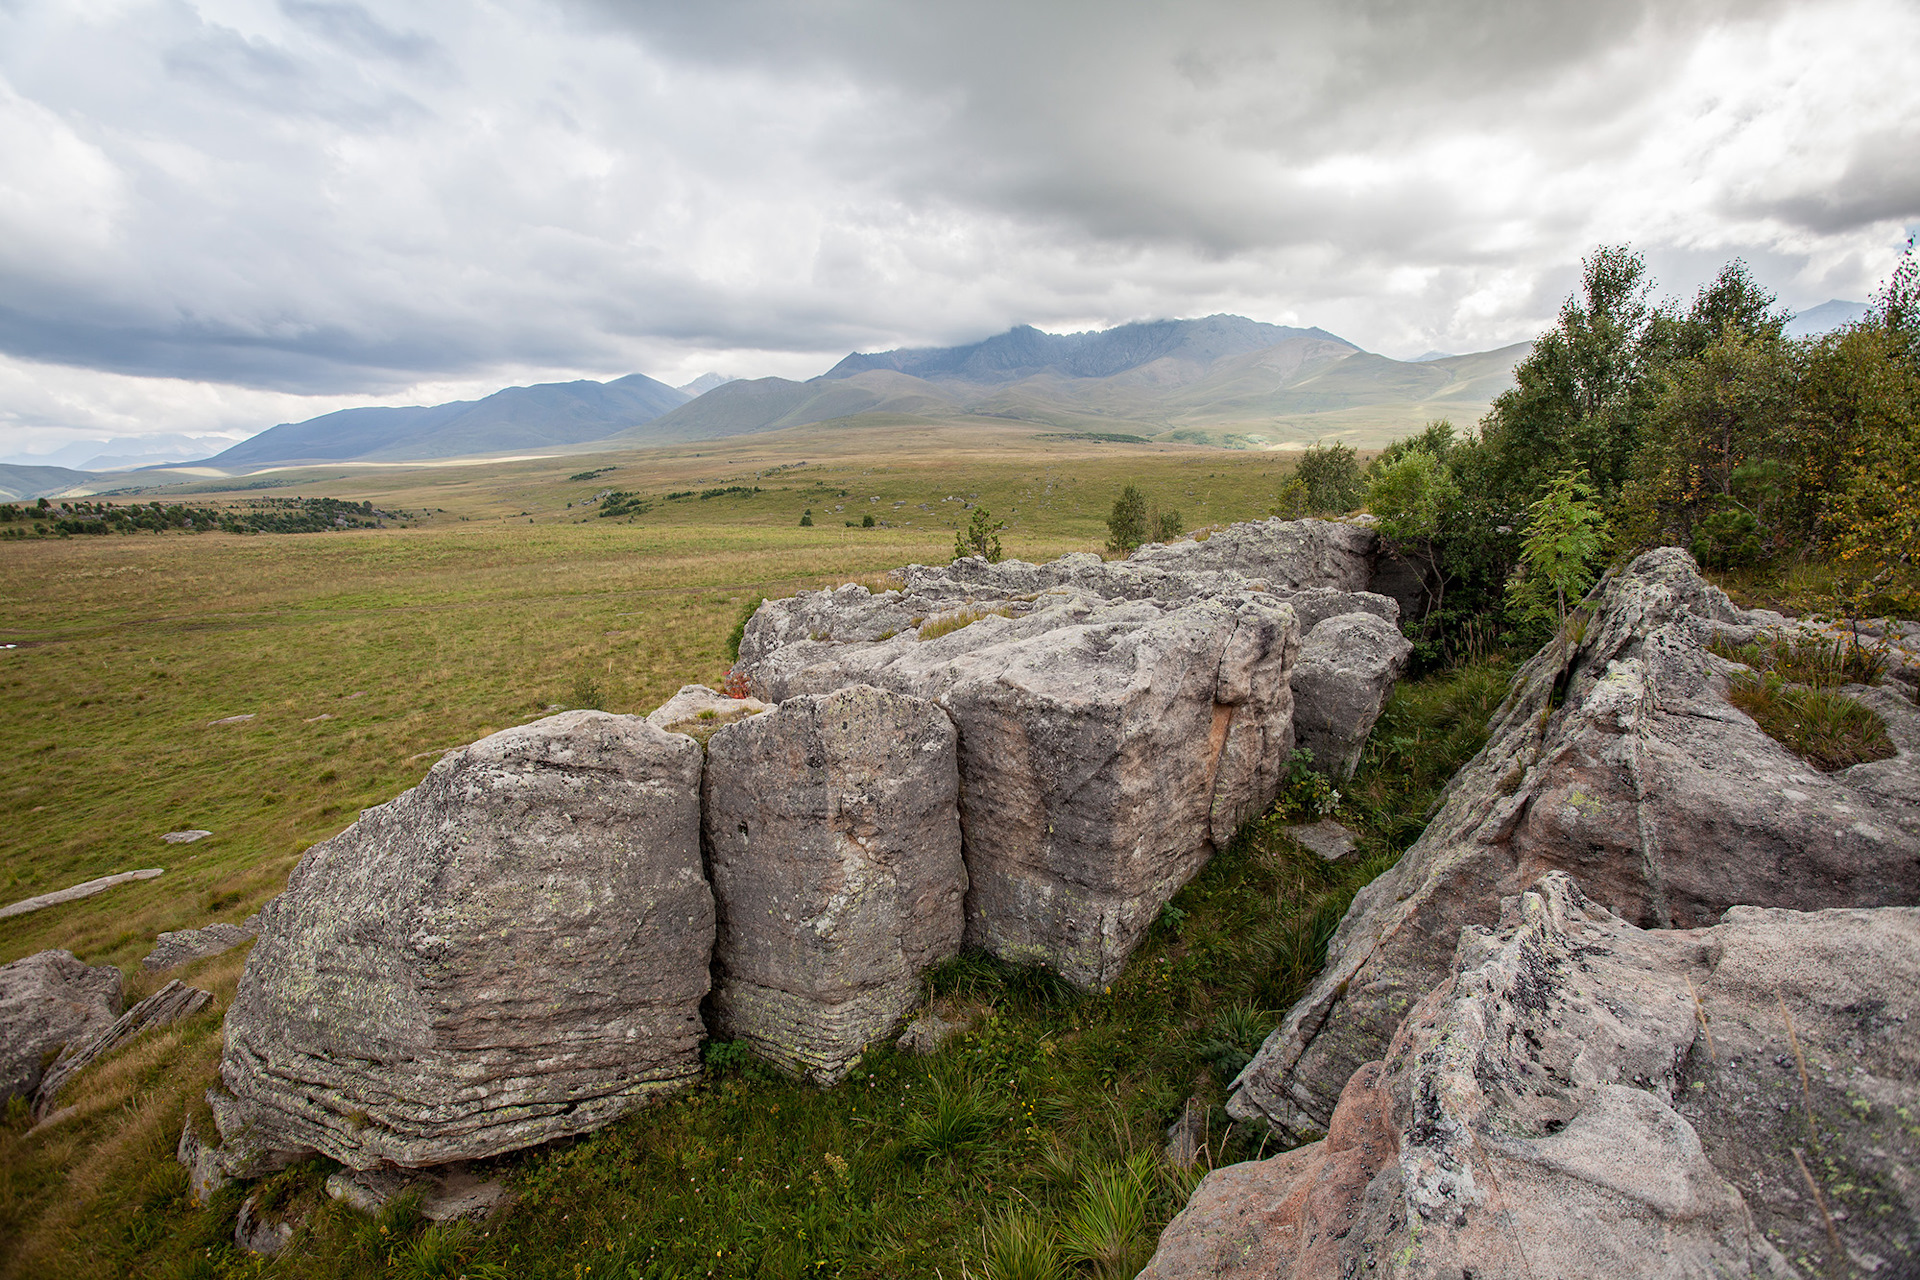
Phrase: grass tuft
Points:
(1818, 664)
(1825, 728)
(948, 623)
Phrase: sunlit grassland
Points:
(362, 655)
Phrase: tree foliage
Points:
(1561, 554)
(1127, 524)
(1330, 476)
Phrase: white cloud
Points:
(233, 207)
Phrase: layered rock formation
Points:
(1616, 758)
(513, 951)
(49, 1001)
(1106, 748)
(833, 837)
(1118, 720)
(1580, 1097)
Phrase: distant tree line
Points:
(265, 515)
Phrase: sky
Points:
(216, 215)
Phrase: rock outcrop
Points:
(171, 950)
(833, 838)
(1580, 1097)
(1106, 747)
(698, 711)
(513, 951)
(169, 1004)
(1341, 682)
(48, 1001)
(1618, 759)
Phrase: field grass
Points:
(362, 655)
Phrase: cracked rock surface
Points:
(1617, 758)
(1580, 1097)
(513, 951)
(833, 833)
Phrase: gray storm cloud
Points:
(325, 199)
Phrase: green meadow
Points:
(495, 594)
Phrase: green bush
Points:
(1727, 539)
(1127, 522)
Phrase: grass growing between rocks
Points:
(1824, 727)
(1029, 1145)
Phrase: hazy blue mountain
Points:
(1433, 355)
(1024, 351)
(1220, 380)
(536, 417)
(707, 382)
(1825, 318)
(123, 452)
(17, 483)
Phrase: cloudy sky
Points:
(216, 215)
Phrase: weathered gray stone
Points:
(447, 1194)
(1346, 670)
(169, 1004)
(513, 951)
(202, 1162)
(171, 950)
(833, 833)
(258, 1231)
(1327, 838)
(77, 892)
(48, 1001)
(927, 1033)
(1106, 748)
(185, 837)
(1583, 1098)
(1617, 758)
(698, 711)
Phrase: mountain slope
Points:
(544, 415)
(17, 483)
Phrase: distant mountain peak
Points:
(1832, 314)
(1024, 351)
(707, 382)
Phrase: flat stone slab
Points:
(185, 837)
(78, 892)
(232, 719)
(181, 946)
(1327, 838)
(448, 1193)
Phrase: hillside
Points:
(536, 417)
(1222, 380)
(18, 482)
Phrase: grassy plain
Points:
(362, 655)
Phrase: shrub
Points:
(739, 632)
(866, 521)
(1167, 526)
(1727, 539)
(1331, 477)
(979, 538)
(806, 520)
(587, 694)
(1306, 794)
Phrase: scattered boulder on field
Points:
(169, 1004)
(202, 1163)
(1618, 759)
(1341, 681)
(48, 1001)
(170, 950)
(260, 1231)
(513, 951)
(1583, 1098)
(833, 833)
(1107, 747)
(698, 711)
(1326, 838)
(185, 837)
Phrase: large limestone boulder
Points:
(1617, 758)
(833, 834)
(49, 1001)
(1107, 747)
(1584, 1098)
(1345, 673)
(513, 951)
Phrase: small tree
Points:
(1128, 523)
(866, 521)
(978, 539)
(806, 519)
(1166, 526)
(1331, 474)
(1409, 496)
(1566, 534)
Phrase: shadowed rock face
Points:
(513, 951)
(1106, 747)
(833, 833)
(1583, 1098)
(1617, 759)
(47, 1001)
